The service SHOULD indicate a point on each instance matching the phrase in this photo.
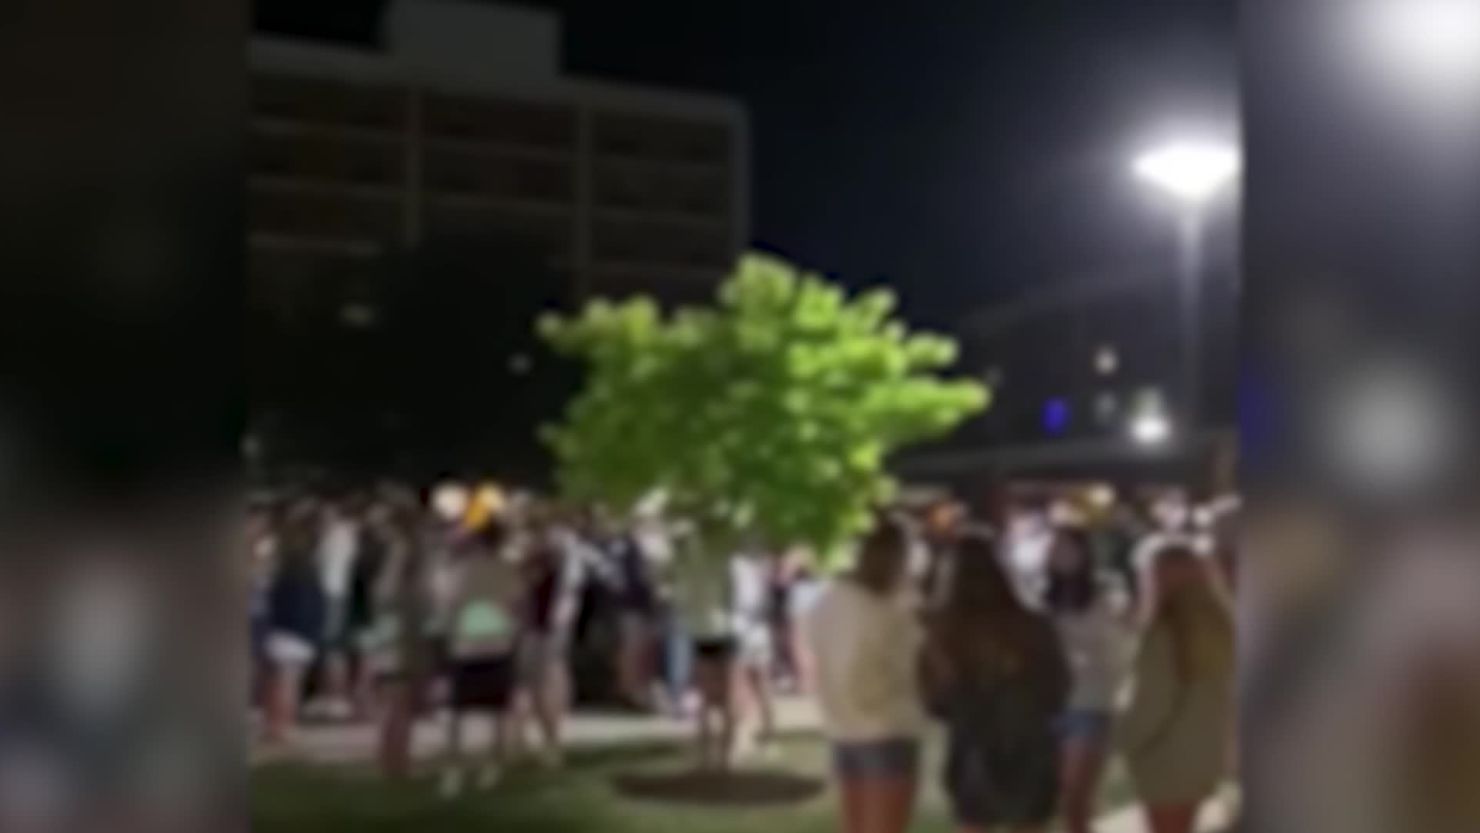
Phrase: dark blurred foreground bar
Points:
(121, 400)
(1361, 617)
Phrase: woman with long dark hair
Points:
(1175, 733)
(993, 671)
(1096, 624)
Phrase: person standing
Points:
(338, 546)
(400, 650)
(701, 598)
(1174, 734)
(866, 641)
(807, 591)
(482, 633)
(1096, 623)
(363, 612)
(1024, 551)
(993, 671)
(637, 611)
(553, 579)
(262, 548)
(750, 606)
(296, 617)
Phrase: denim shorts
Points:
(1083, 724)
(895, 758)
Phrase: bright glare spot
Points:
(450, 501)
(99, 639)
(1065, 513)
(1150, 429)
(1101, 496)
(1393, 430)
(1191, 172)
(1433, 42)
(1107, 360)
(1203, 517)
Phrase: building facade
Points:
(463, 125)
(1074, 369)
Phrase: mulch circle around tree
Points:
(735, 789)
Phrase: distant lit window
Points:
(1107, 360)
(359, 316)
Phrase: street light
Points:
(1194, 174)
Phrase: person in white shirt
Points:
(1028, 537)
(750, 590)
(721, 606)
(339, 544)
(865, 638)
(1095, 620)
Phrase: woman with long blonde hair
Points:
(1175, 733)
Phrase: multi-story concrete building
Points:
(463, 124)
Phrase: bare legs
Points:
(758, 701)
(549, 698)
(877, 805)
(284, 692)
(396, 728)
(1082, 761)
(1171, 818)
(715, 679)
(453, 777)
(634, 661)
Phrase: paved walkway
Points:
(350, 744)
(355, 744)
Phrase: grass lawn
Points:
(582, 798)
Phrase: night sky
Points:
(961, 151)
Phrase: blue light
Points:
(1056, 416)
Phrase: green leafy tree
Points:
(770, 414)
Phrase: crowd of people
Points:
(1042, 641)
(514, 601)
(1041, 644)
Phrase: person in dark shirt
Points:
(637, 606)
(553, 581)
(296, 615)
(362, 611)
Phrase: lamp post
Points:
(1193, 174)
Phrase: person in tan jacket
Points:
(1175, 734)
